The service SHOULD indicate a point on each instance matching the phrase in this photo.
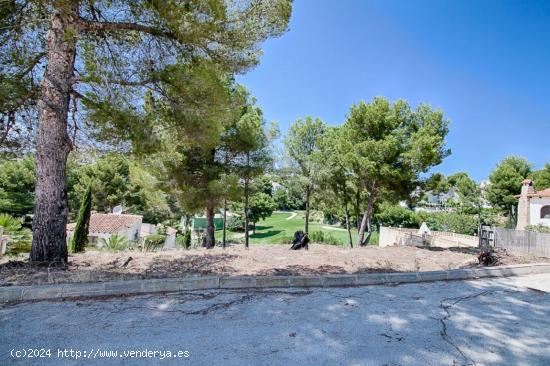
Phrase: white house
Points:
(533, 206)
(103, 225)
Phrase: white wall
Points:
(409, 237)
(536, 204)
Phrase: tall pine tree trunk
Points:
(210, 238)
(52, 142)
(357, 209)
(308, 193)
(348, 226)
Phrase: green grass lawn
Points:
(277, 229)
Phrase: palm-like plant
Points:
(114, 243)
(19, 238)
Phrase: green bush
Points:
(114, 243)
(19, 238)
(235, 223)
(450, 221)
(396, 216)
(80, 235)
(540, 228)
(153, 242)
(321, 237)
(184, 241)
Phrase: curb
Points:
(136, 287)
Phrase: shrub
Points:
(321, 237)
(19, 238)
(540, 228)
(114, 243)
(235, 223)
(396, 216)
(184, 241)
(450, 222)
(153, 242)
(80, 236)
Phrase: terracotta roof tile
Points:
(109, 223)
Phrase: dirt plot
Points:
(236, 260)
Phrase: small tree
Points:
(80, 236)
(301, 145)
(505, 183)
(389, 146)
(261, 206)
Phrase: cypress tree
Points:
(80, 236)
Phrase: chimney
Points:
(523, 204)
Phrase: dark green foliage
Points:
(287, 199)
(261, 206)
(505, 182)
(457, 222)
(184, 241)
(395, 216)
(450, 222)
(120, 180)
(153, 242)
(187, 239)
(80, 235)
(262, 184)
(235, 223)
(17, 186)
(541, 178)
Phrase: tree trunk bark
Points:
(366, 222)
(357, 209)
(224, 222)
(348, 227)
(245, 208)
(210, 241)
(308, 192)
(52, 142)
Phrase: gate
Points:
(486, 236)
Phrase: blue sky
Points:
(486, 63)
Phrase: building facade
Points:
(533, 206)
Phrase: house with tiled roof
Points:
(103, 225)
(533, 206)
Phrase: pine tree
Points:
(80, 236)
(60, 57)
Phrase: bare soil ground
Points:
(96, 266)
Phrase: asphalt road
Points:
(485, 322)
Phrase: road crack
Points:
(446, 304)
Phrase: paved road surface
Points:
(486, 322)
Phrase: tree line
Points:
(99, 67)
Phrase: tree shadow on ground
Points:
(262, 227)
(24, 273)
(191, 264)
(267, 234)
(297, 270)
(465, 250)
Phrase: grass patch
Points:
(276, 229)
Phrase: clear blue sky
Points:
(486, 63)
